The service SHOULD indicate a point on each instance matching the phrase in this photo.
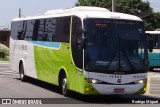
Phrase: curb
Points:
(148, 86)
(4, 62)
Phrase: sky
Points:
(155, 4)
(9, 8)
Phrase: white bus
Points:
(89, 50)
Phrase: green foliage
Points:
(157, 20)
(134, 7)
(4, 59)
(4, 51)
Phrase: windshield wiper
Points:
(111, 59)
(129, 62)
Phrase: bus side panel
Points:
(28, 55)
(38, 57)
(154, 58)
(77, 82)
(48, 61)
(11, 52)
(21, 50)
(16, 54)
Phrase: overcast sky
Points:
(155, 4)
(9, 8)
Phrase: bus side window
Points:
(50, 28)
(19, 36)
(35, 29)
(62, 30)
(157, 41)
(41, 30)
(21, 30)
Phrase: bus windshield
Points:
(115, 47)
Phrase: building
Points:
(158, 29)
(4, 36)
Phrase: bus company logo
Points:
(119, 81)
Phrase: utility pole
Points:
(19, 12)
(113, 6)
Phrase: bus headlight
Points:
(141, 81)
(94, 81)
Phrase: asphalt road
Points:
(12, 87)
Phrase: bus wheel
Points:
(21, 72)
(64, 88)
(151, 69)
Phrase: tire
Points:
(21, 72)
(64, 87)
(151, 69)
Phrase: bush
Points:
(4, 51)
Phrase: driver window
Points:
(77, 53)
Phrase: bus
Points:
(154, 56)
(88, 50)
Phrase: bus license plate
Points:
(119, 90)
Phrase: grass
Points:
(4, 59)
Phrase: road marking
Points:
(4, 63)
(153, 86)
(3, 68)
(153, 75)
(8, 73)
(148, 86)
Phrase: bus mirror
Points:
(80, 31)
(81, 42)
(81, 38)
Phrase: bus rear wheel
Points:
(64, 87)
(21, 72)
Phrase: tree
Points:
(134, 7)
(157, 20)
